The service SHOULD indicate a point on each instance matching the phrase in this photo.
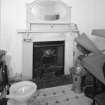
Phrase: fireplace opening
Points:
(48, 60)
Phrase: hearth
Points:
(48, 60)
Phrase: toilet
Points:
(21, 92)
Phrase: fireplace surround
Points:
(48, 28)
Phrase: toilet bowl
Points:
(21, 92)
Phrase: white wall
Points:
(13, 16)
(87, 14)
(0, 21)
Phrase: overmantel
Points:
(48, 11)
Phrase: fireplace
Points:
(48, 40)
(48, 59)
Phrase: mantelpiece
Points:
(29, 37)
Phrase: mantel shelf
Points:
(51, 23)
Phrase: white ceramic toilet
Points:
(21, 92)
